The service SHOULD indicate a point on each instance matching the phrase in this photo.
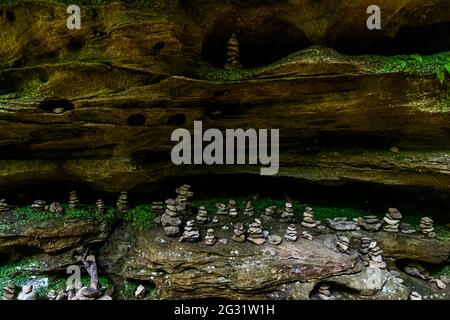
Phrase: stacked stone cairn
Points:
(269, 213)
(100, 206)
(343, 244)
(288, 213)
(9, 291)
(38, 205)
(308, 218)
(233, 54)
(291, 233)
(222, 209)
(307, 236)
(232, 209)
(122, 203)
(191, 233)
(183, 199)
(325, 292)
(249, 209)
(170, 220)
(427, 228)
(392, 220)
(255, 233)
(239, 233)
(202, 216)
(158, 207)
(74, 202)
(210, 238)
(4, 207)
(55, 207)
(376, 260)
(370, 223)
(364, 250)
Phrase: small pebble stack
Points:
(100, 206)
(370, 223)
(210, 238)
(288, 213)
(4, 206)
(239, 233)
(38, 205)
(191, 233)
(232, 209)
(249, 209)
(170, 220)
(392, 220)
(122, 202)
(308, 218)
(202, 216)
(74, 202)
(55, 207)
(426, 226)
(255, 233)
(325, 292)
(343, 244)
(222, 209)
(291, 233)
(307, 236)
(183, 199)
(9, 291)
(376, 260)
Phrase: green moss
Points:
(140, 217)
(30, 90)
(128, 288)
(19, 272)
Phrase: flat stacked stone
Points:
(287, 216)
(190, 233)
(202, 216)
(255, 233)
(341, 224)
(291, 233)
(38, 205)
(222, 209)
(158, 208)
(170, 220)
(183, 199)
(392, 220)
(370, 223)
(274, 239)
(55, 207)
(364, 250)
(122, 202)
(249, 211)
(325, 292)
(9, 291)
(376, 260)
(210, 238)
(308, 218)
(74, 202)
(427, 228)
(232, 208)
(306, 235)
(100, 206)
(343, 244)
(27, 293)
(4, 207)
(239, 233)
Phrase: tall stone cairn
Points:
(288, 213)
(391, 220)
(74, 202)
(122, 202)
(233, 54)
(308, 218)
(4, 207)
(170, 220)
(427, 228)
(249, 209)
(232, 208)
(183, 199)
(100, 206)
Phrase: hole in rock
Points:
(269, 41)
(75, 44)
(176, 120)
(136, 119)
(10, 16)
(56, 106)
(159, 45)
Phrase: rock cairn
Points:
(255, 233)
(325, 292)
(269, 213)
(232, 209)
(288, 213)
(27, 293)
(274, 239)
(9, 291)
(74, 202)
(370, 223)
(427, 228)
(210, 238)
(222, 209)
(100, 206)
(308, 218)
(249, 209)
(191, 233)
(392, 220)
(376, 260)
(307, 236)
(202, 216)
(239, 233)
(122, 202)
(364, 250)
(343, 244)
(158, 207)
(341, 224)
(38, 205)
(183, 199)
(4, 207)
(291, 233)
(55, 207)
(170, 220)
(233, 54)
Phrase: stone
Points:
(58, 110)
(55, 207)
(170, 220)
(239, 233)
(202, 216)
(406, 228)
(74, 202)
(287, 216)
(27, 293)
(324, 292)
(210, 238)
(370, 223)
(232, 209)
(291, 233)
(341, 224)
(255, 233)
(307, 236)
(184, 199)
(4, 207)
(9, 291)
(122, 203)
(158, 207)
(391, 220)
(415, 296)
(249, 209)
(190, 233)
(232, 54)
(100, 206)
(427, 228)
(223, 241)
(52, 295)
(222, 209)
(140, 292)
(274, 239)
(343, 244)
